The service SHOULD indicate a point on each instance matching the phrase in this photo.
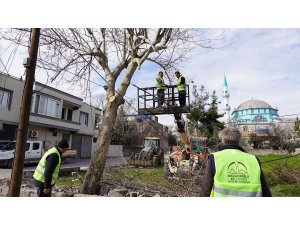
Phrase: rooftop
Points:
(253, 104)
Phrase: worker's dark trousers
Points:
(161, 97)
(182, 98)
(40, 192)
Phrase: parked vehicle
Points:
(34, 152)
(150, 156)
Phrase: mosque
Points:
(252, 116)
(255, 116)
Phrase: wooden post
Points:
(18, 165)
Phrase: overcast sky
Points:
(262, 64)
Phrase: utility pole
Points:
(18, 165)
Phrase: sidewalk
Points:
(110, 161)
(71, 163)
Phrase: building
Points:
(148, 126)
(54, 115)
(254, 116)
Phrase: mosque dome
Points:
(254, 112)
(253, 104)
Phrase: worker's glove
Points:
(47, 191)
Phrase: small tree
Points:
(254, 140)
(204, 116)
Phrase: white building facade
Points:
(54, 115)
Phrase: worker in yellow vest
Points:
(160, 86)
(47, 171)
(231, 172)
(181, 86)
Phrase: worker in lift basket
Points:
(231, 172)
(46, 172)
(181, 86)
(160, 86)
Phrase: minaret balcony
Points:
(227, 95)
(228, 108)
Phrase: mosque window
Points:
(259, 118)
(252, 111)
(245, 128)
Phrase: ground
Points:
(281, 171)
(144, 182)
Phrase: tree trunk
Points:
(91, 184)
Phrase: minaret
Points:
(226, 96)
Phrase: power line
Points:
(4, 67)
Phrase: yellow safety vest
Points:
(181, 87)
(237, 174)
(40, 169)
(161, 84)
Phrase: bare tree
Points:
(114, 54)
(99, 101)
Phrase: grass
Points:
(282, 175)
(286, 190)
(151, 176)
(67, 182)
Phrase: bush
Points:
(256, 141)
(290, 146)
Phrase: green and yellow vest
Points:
(181, 87)
(161, 84)
(40, 169)
(237, 175)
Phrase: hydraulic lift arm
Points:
(183, 135)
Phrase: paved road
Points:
(71, 163)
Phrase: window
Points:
(70, 113)
(245, 128)
(27, 147)
(63, 111)
(4, 99)
(97, 121)
(166, 129)
(36, 146)
(94, 139)
(46, 106)
(84, 118)
(141, 128)
(259, 118)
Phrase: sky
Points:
(261, 63)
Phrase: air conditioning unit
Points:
(34, 134)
